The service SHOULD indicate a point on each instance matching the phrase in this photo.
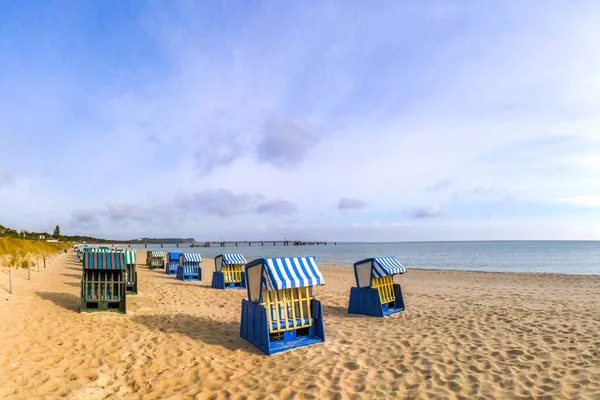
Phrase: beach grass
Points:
(22, 253)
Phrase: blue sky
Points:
(374, 121)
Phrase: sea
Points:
(563, 257)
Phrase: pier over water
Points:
(239, 243)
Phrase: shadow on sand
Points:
(64, 300)
(163, 275)
(78, 276)
(335, 310)
(206, 330)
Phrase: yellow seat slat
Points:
(385, 287)
(287, 305)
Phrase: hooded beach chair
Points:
(172, 262)
(78, 251)
(280, 312)
(131, 271)
(375, 293)
(229, 272)
(86, 250)
(189, 267)
(157, 259)
(103, 286)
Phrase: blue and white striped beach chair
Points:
(229, 272)
(172, 262)
(375, 293)
(189, 267)
(281, 312)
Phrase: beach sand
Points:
(464, 335)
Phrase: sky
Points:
(316, 120)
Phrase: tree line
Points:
(24, 234)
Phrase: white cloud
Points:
(584, 201)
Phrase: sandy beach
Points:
(464, 335)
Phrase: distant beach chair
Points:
(172, 262)
(157, 259)
(229, 272)
(103, 286)
(281, 313)
(148, 257)
(80, 250)
(86, 250)
(131, 271)
(375, 293)
(189, 268)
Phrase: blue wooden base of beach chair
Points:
(366, 301)
(255, 329)
(189, 273)
(290, 323)
(171, 267)
(218, 282)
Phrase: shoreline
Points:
(408, 269)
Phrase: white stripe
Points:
(289, 281)
(194, 257)
(305, 279)
(384, 266)
(378, 271)
(234, 259)
(296, 277)
(276, 280)
(319, 278)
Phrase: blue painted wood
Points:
(218, 282)
(254, 325)
(399, 303)
(186, 273)
(318, 322)
(254, 328)
(366, 301)
(171, 266)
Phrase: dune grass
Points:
(22, 253)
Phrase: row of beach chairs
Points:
(280, 312)
(187, 266)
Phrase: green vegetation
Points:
(23, 234)
(22, 253)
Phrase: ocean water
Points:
(567, 257)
